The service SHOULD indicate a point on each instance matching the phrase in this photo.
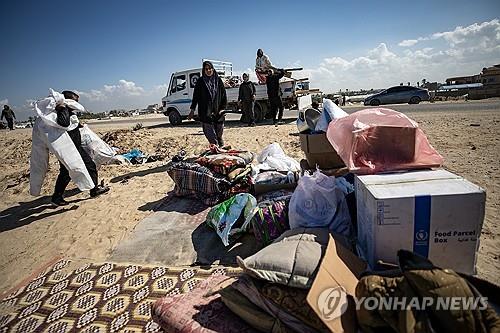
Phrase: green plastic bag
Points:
(231, 218)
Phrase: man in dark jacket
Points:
(9, 116)
(246, 98)
(274, 94)
(210, 96)
(64, 118)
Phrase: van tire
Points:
(174, 117)
(374, 102)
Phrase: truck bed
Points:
(287, 87)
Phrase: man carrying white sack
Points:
(56, 129)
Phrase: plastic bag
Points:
(232, 217)
(100, 152)
(135, 156)
(46, 138)
(331, 111)
(273, 157)
(45, 109)
(319, 202)
(313, 202)
(380, 140)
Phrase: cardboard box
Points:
(436, 214)
(331, 294)
(319, 151)
(390, 144)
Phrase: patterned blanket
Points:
(104, 297)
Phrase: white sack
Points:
(100, 152)
(273, 157)
(48, 136)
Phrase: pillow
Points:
(292, 260)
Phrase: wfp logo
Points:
(422, 235)
(332, 303)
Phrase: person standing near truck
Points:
(9, 116)
(210, 96)
(246, 98)
(274, 94)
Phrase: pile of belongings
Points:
(214, 176)
(317, 201)
(272, 294)
(232, 81)
(296, 228)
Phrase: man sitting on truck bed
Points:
(262, 65)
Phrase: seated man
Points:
(262, 65)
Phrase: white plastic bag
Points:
(319, 202)
(330, 112)
(45, 109)
(100, 152)
(47, 138)
(273, 157)
(313, 202)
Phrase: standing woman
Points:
(210, 96)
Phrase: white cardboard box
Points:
(434, 213)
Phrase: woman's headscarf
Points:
(211, 82)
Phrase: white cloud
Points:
(408, 42)
(28, 104)
(463, 51)
(124, 94)
(4, 101)
(486, 32)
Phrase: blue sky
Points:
(120, 54)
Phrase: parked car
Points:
(398, 94)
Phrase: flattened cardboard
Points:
(339, 268)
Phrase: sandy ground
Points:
(32, 232)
